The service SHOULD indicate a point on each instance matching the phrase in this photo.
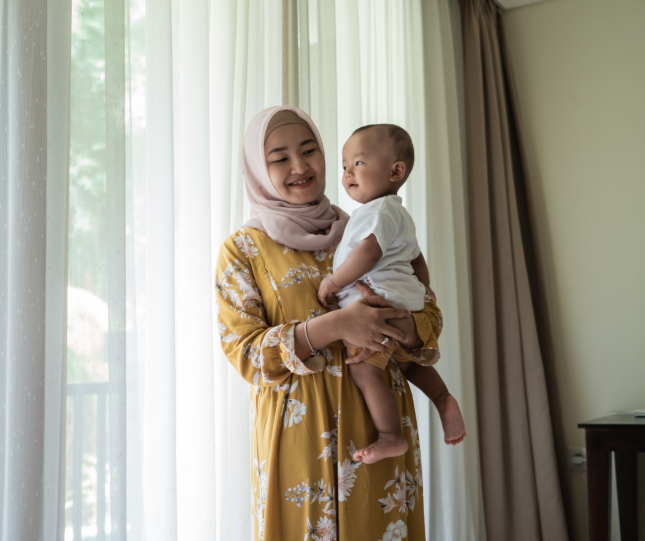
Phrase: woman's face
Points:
(295, 163)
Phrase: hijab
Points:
(316, 226)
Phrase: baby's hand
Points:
(327, 287)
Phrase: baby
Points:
(379, 247)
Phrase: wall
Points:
(580, 74)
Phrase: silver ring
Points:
(385, 341)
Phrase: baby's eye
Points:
(359, 162)
(344, 168)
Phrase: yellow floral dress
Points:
(307, 421)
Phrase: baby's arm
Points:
(360, 260)
(421, 270)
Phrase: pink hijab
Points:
(316, 226)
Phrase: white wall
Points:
(580, 73)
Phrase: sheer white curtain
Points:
(157, 443)
(347, 64)
(34, 136)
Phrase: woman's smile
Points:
(301, 183)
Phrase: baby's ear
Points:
(397, 173)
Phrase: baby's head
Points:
(377, 160)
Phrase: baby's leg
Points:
(429, 381)
(385, 414)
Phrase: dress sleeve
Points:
(429, 323)
(263, 355)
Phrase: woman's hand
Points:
(407, 325)
(364, 323)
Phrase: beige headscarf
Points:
(315, 226)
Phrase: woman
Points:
(307, 416)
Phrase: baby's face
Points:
(367, 166)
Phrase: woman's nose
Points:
(298, 166)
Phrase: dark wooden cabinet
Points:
(623, 435)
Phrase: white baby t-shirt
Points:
(392, 277)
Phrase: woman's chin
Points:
(301, 201)
(303, 196)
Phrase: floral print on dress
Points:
(321, 255)
(418, 477)
(253, 353)
(325, 530)
(347, 474)
(332, 369)
(245, 243)
(293, 409)
(403, 497)
(294, 413)
(296, 275)
(283, 336)
(397, 381)
(331, 449)
(250, 296)
(395, 531)
(230, 337)
(320, 492)
(260, 500)
(406, 486)
(273, 285)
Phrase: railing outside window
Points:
(87, 468)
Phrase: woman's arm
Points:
(365, 323)
(264, 355)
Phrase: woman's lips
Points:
(299, 184)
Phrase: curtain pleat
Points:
(522, 496)
(194, 317)
(24, 279)
(34, 110)
(115, 197)
(159, 394)
(527, 218)
(58, 102)
(454, 491)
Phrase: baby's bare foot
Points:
(454, 430)
(388, 445)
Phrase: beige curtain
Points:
(521, 486)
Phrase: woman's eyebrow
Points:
(280, 149)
